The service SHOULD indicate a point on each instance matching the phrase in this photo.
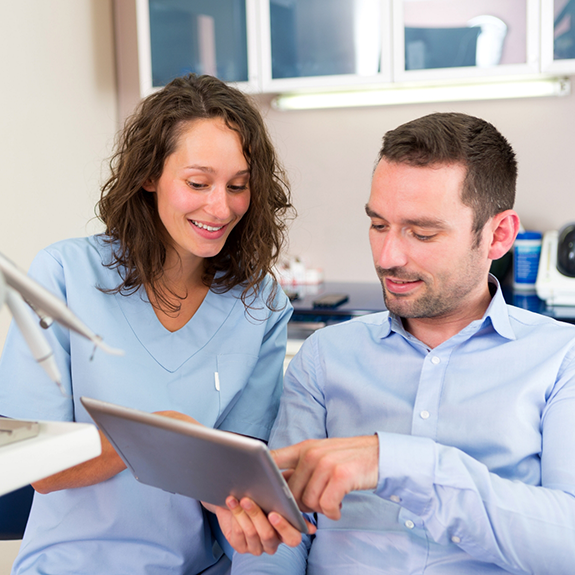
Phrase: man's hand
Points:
(320, 472)
(248, 530)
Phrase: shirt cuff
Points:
(406, 470)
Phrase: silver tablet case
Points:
(200, 462)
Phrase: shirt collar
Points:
(496, 313)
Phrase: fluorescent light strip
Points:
(413, 95)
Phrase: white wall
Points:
(330, 156)
(57, 121)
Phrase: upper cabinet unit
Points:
(558, 36)
(291, 45)
(322, 43)
(441, 39)
(186, 37)
(158, 40)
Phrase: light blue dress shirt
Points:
(476, 447)
(121, 526)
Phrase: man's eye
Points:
(423, 238)
(377, 227)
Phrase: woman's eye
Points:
(196, 185)
(238, 188)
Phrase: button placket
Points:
(426, 405)
(409, 521)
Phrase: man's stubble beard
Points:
(451, 293)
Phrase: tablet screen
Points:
(193, 460)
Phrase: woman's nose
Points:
(217, 204)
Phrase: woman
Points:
(180, 281)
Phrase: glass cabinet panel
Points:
(558, 36)
(201, 36)
(483, 34)
(564, 30)
(311, 38)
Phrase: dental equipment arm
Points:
(34, 337)
(47, 305)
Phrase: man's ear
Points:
(504, 228)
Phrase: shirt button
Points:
(456, 539)
(409, 524)
(435, 360)
(395, 499)
(424, 414)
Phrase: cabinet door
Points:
(317, 43)
(442, 39)
(558, 36)
(176, 37)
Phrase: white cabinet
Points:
(442, 39)
(201, 36)
(290, 45)
(323, 43)
(158, 40)
(185, 37)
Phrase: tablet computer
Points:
(189, 459)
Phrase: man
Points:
(450, 419)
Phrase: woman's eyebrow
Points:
(198, 167)
(211, 170)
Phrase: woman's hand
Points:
(249, 530)
(177, 415)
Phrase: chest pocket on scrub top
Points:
(234, 371)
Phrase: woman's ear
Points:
(504, 229)
(149, 186)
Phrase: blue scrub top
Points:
(121, 526)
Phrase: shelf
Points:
(58, 446)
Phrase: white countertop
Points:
(58, 446)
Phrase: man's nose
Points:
(391, 251)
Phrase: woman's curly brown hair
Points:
(133, 227)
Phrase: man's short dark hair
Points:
(447, 138)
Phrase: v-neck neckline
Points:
(172, 349)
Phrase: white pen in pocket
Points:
(217, 380)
